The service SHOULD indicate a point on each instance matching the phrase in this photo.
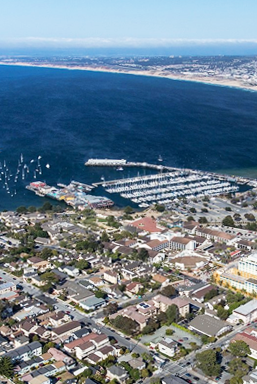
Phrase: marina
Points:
(164, 187)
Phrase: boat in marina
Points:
(166, 187)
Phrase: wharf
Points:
(164, 168)
(74, 194)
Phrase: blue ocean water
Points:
(68, 116)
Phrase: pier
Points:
(164, 168)
(73, 194)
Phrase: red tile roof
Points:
(147, 224)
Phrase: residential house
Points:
(7, 287)
(199, 294)
(118, 373)
(92, 303)
(111, 277)
(167, 346)
(137, 363)
(38, 263)
(25, 352)
(70, 270)
(61, 356)
(163, 280)
(40, 379)
(64, 331)
(133, 288)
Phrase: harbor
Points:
(163, 185)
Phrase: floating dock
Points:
(165, 187)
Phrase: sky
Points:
(110, 23)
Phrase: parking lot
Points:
(179, 335)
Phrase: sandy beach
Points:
(224, 82)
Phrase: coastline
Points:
(191, 77)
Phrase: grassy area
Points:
(183, 329)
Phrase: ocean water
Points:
(67, 116)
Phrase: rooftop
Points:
(247, 308)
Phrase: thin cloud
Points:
(112, 42)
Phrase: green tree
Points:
(46, 253)
(143, 254)
(49, 277)
(228, 221)
(82, 265)
(172, 313)
(128, 210)
(190, 218)
(32, 209)
(110, 309)
(239, 348)
(169, 332)
(105, 237)
(147, 357)
(46, 207)
(100, 294)
(238, 368)
(145, 373)
(192, 210)
(235, 380)
(134, 374)
(48, 345)
(168, 291)
(206, 339)
(209, 295)
(6, 367)
(160, 207)
(21, 209)
(125, 324)
(203, 220)
(207, 362)
(222, 313)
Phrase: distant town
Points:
(165, 295)
(235, 71)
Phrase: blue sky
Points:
(128, 22)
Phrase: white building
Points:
(247, 312)
(167, 347)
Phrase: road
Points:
(181, 368)
(185, 366)
(76, 314)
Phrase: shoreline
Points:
(191, 78)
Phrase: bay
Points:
(68, 116)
